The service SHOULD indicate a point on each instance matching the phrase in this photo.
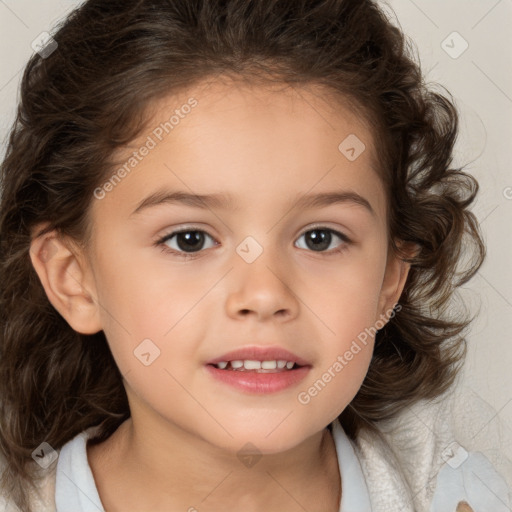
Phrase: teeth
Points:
(251, 364)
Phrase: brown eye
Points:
(186, 241)
(320, 239)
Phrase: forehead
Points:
(232, 136)
(238, 103)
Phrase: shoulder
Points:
(434, 459)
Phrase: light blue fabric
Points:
(75, 489)
(354, 495)
(473, 480)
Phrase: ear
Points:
(395, 278)
(66, 278)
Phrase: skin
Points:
(266, 146)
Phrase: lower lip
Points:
(254, 382)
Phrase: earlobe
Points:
(63, 276)
(397, 271)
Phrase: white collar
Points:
(354, 494)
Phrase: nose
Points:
(261, 289)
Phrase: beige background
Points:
(480, 79)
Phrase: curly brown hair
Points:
(91, 97)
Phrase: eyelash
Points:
(190, 256)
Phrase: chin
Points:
(269, 437)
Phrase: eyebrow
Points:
(225, 201)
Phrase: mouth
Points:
(259, 369)
(257, 357)
(255, 366)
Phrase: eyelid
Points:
(325, 225)
(185, 229)
(182, 229)
(192, 227)
(346, 241)
(160, 241)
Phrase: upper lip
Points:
(259, 353)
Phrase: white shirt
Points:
(75, 488)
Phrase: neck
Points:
(174, 469)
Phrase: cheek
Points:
(333, 386)
(346, 296)
(346, 356)
(139, 312)
(143, 294)
(346, 302)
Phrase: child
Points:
(230, 233)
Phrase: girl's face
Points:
(261, 264)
